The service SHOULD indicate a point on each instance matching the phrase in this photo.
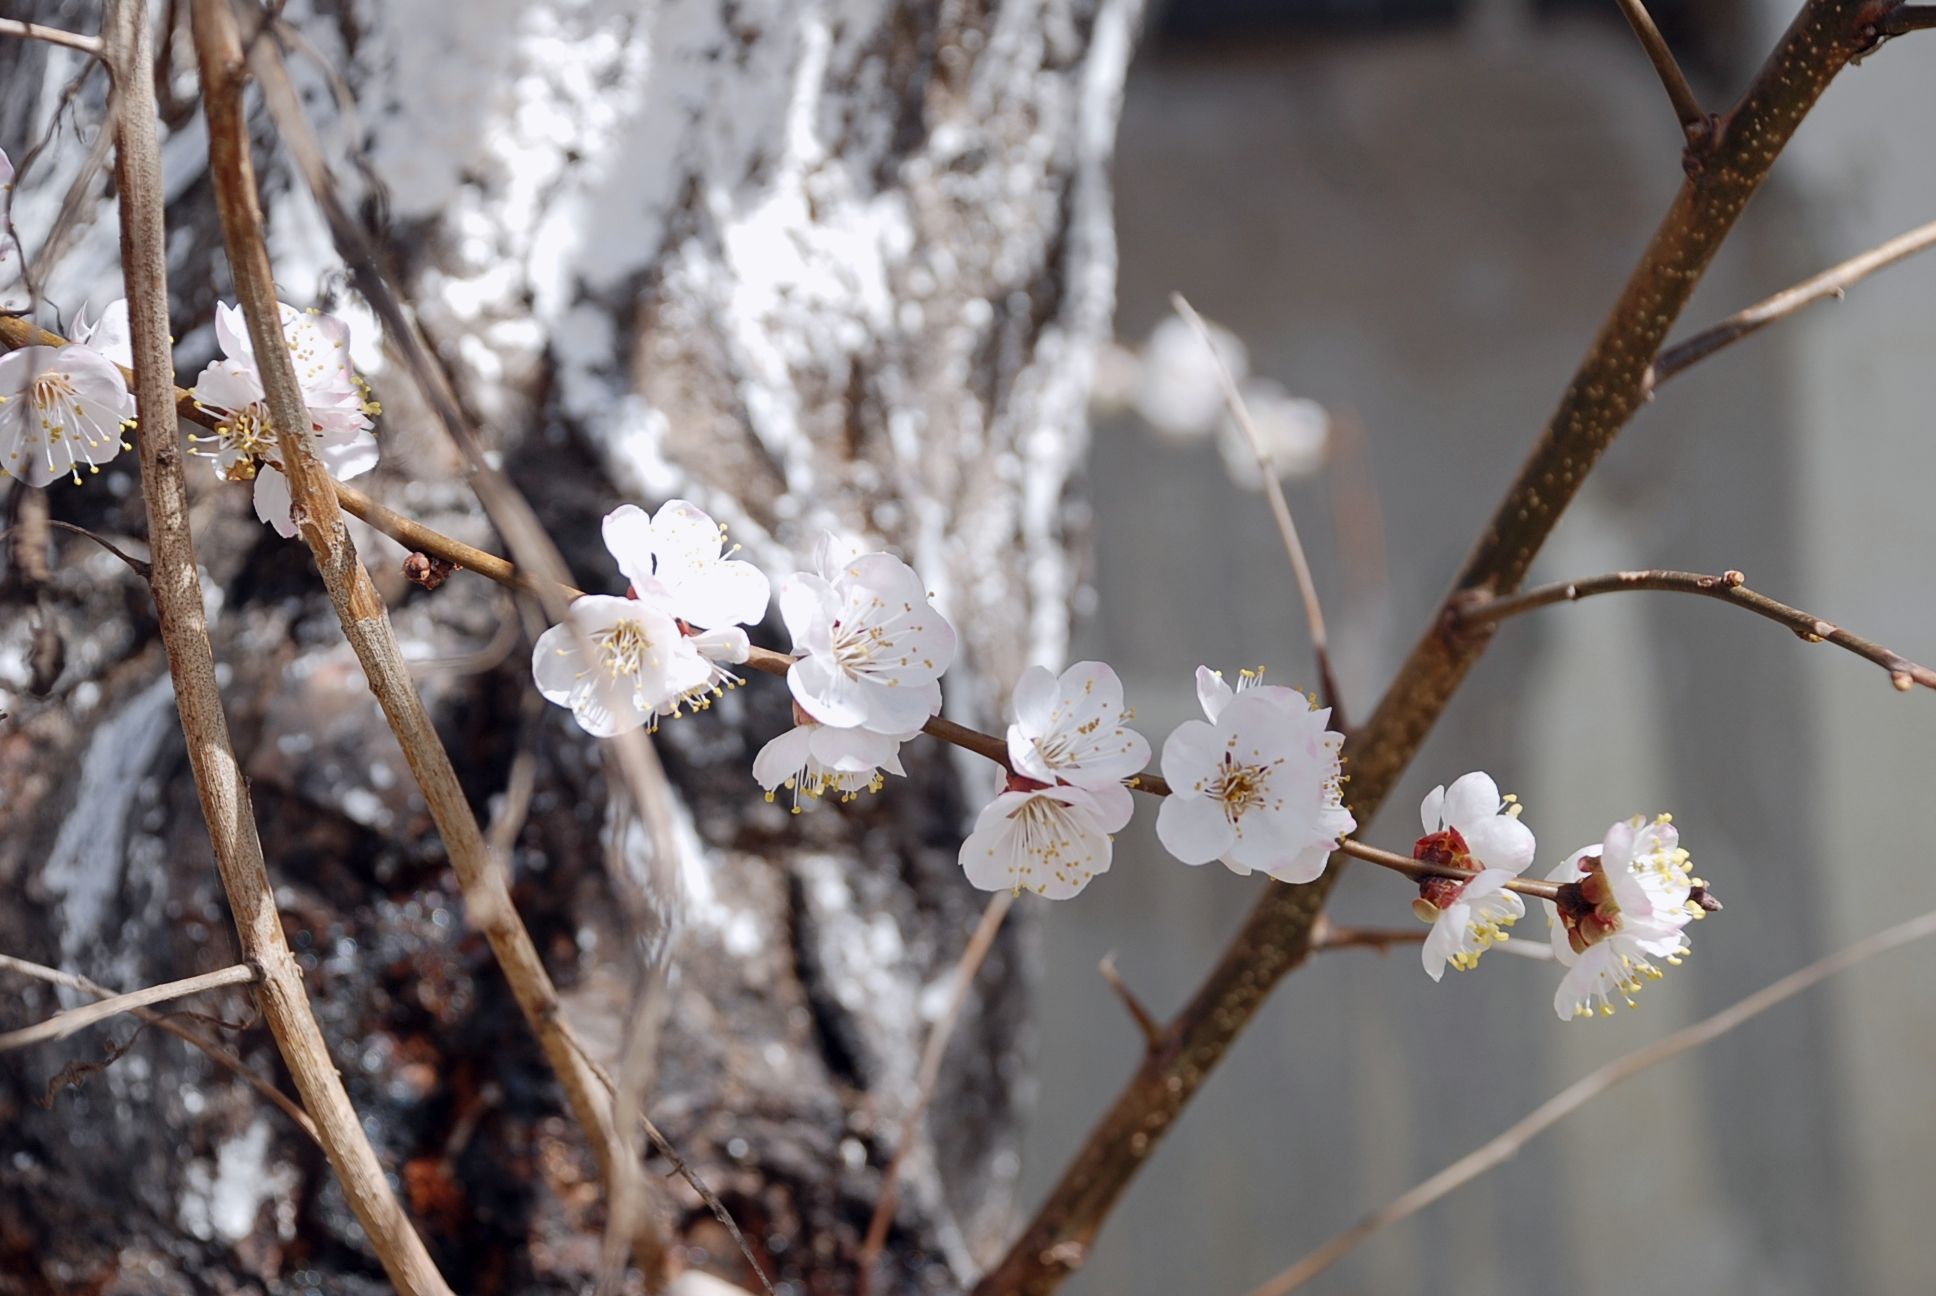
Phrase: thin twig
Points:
(187, 1034)
(1832, 282)
(63, 1024)
(53, 36)
(1280, 509)
(359, 608)
(1145, 1020)
(176, 586)
(1412, 868)
(1694, 119)
(1582, 1091)
(926, 1077)
(1728, 587)
(685, 1171)
(1599, 400)
(136, 565)
(1327, 937)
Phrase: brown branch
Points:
(1694, 120)
(1833, 282)
(926, 1077)
(53, 36)
(1327, 937)
(1280, 510)
(1907, 19)
(63, 1024)
(219, 783)
(1599, 400)
(359, 608)
(187, 1034)
(1507, 1145)
(1728, 587)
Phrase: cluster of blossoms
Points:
(65, 408)
(1619, 903)
(1255, 784)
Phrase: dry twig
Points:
(1507, 1145)
(63, 1024)
(1687, 107)
(177, 591)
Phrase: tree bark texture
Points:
(821, 264)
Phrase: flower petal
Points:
(1193, 828)
(628, 538)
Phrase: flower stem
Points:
(1412, 868)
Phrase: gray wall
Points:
(1422, 233)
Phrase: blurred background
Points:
(1415, 212)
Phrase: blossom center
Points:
(625, 648)
(1239, 786)
(49, 388)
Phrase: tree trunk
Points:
(808, 263)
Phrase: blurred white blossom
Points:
(60, 407)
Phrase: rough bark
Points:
(806, 264)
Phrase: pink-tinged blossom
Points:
(872, 646)
(1257, 786)
(618, 663)
(814, 760)
(1048, 840)
(1072, 729)
(1627, 900)
(244, 443)
(60, 408)
(674, 558)
(1470, 826)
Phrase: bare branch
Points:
(136, 565)
(1909, 18)
(1280, 509)
(926, 1077)
(1327, 937)
(1728, 587)
(359, 608)
(1833, 282)
(1694, 119)
(176, 585)
(63, 1024)
(1145, 1020)
(1412, 868)
(1582, 1091)
(90, 45)
(187, 1034)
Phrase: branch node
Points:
(1153, 1035)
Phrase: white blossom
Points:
(1071, 729)
(60, 407)
(335, 399)
(1470, 826)
(618, 663)
(1049, 840)
(813, 760)
(1632, 895)
(673, 558)
(873, 646)
(1257, 786)
(108, 333)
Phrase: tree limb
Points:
(1598, 402)
(219, 783)
(1687, 107)
(1728, 587)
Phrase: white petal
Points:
(1470, 801)
(1501, 841)
(726, 593)
(852, 751)
(809, 606)
(1193, 828)
(1212, 693)
(1190, 756)
(273, 503)
(1034, 700)
(1431, 811)
(729, 645)
(826, 692)
(351, 459)
(557, 664)
(628, 538)
(783, 758)
(1026, 757)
